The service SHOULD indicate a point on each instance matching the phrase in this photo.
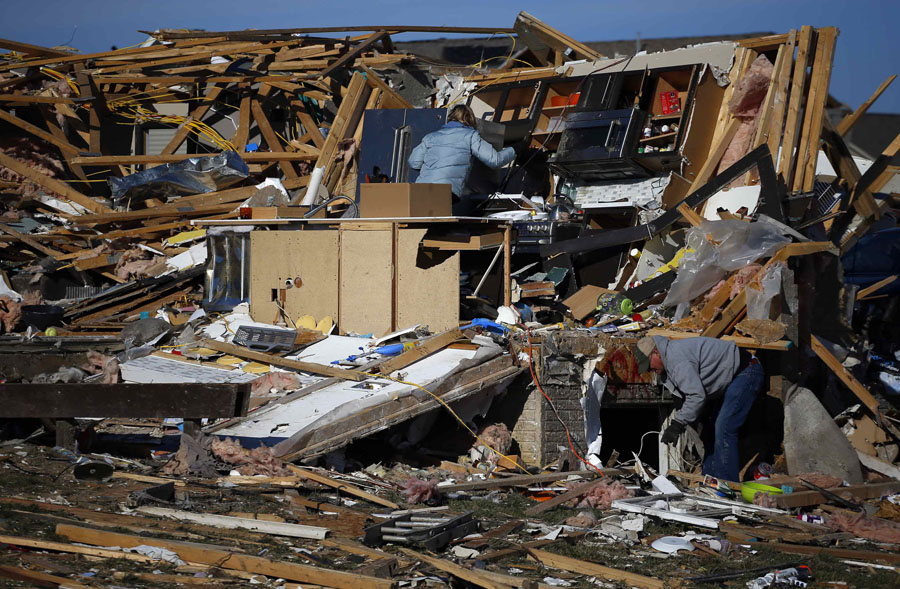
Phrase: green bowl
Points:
(748, 490)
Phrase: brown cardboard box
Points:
(383, 200)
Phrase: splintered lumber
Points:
(37, 579)
(426, 348)
(841, 159)
(847, 122)
(341, 486)
(833, 552)
(861, 392)
(472, 576)
(321, 369)
(53, 185)
(873, 288)
(352, 54)
(67, 149)
(740, 341)
(584, 567)
(862, 491)
(239, 523)
(28, 240)
(522, 480)
(250, 158)
(562, 498)
(795, 106)
(205, 554)
(393, 99)
(72, 548)
(529, 26)
(805, 176)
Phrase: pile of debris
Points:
(238, 304)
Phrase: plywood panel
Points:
(427, 284)
(309, 255)
(367, 276)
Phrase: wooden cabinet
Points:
(371, 277)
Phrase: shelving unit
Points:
(657, 137)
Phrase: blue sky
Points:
(867, 50)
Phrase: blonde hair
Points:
(462, 114)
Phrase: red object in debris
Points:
(637, 317)
(573, 98)
(590, 321)
(559, 100)
(245, 212)
(671, 104)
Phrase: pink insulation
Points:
(602, 496)
(35, 154)
(497, 437)
(745, 105)
(742, 278)
(97, 363)
(821, 480)
(419, 491)
(259, 461)
(870, 528)
(135, 263)
(279, 381)
(11, 315)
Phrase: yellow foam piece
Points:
(228, 361)
(325, 325)
(307, 322)
(255, 368)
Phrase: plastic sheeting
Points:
(196, 175)
(590, 404)
(738, 244)
(759, 302)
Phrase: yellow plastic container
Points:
(749, 490)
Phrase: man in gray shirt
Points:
(698, 370)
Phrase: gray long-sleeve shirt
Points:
(697, 368)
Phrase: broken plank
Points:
(195, 115)
(204, 554)
(805, 176)
(67, 149)
(863, 293)
(239, 523)
(393, 99)
(808, 498)
(341, 486)
(350, 55)
(847, 122)
(426, 348)
(321, 369)
(461, 572)
(72, 548)
(52, 184)
(740, 341)
(522, 480)
(563, 497)
(29, 241)
(833, 552)
(128, 160)
(583, 567)
(795, 106)
(268, 133)
(861, 392)
(37, 579)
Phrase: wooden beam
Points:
(870, 289)
(37, 579)
(779, 107)
(67, 149)
(138, 160)
(340, 486)
(153, 213)
(469, 575)
(842, 161)
(321, 369)
(188, 400)
(238, 523)
(764, 43)
(29, 49)
(207, 554)
(716, 152)
(27, 240)
(426, 348)
(584, 567)
(76, 57)
(31, 99)
(805, 177)
(269, 134)
(861, 392)
(792, 124)
(346, 58)
(311, 129)
(196, 115)
(172, 35)
(394, 100)
(847, 122)
(560, 43)
(741, 342)
(242, 133)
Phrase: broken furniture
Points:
(432, 532)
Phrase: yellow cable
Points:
(448, 408)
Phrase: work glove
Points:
(670, 436)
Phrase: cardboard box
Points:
(393, 200)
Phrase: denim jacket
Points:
(445, 156)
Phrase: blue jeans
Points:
(721, 459)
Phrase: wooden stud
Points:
(805, 175)
(847, 122)
(310, 367)
(792, 123)
(341, 486)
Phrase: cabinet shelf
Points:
(655, 137)
(676, 115)
(557, 110)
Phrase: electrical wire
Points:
(452, 412)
